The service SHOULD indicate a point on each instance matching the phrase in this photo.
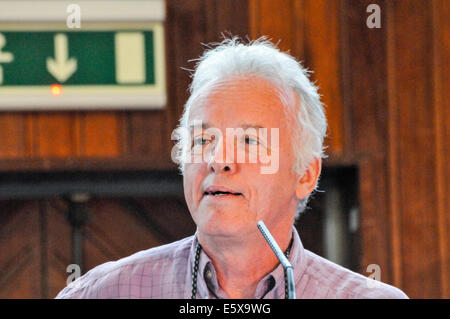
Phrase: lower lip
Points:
(222, 196)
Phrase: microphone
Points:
(288, 270)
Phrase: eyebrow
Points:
(247, 126)
(203, 126)
(243, 126)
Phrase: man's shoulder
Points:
(344, 283)
(149, 257)
(124, 271)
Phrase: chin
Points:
(223, 223)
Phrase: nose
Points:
(222, 157)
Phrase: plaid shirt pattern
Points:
(165, 272)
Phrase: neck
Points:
(242, 261)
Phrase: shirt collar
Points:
(270, 286)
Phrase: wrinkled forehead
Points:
(248, 92)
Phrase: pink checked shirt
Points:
(165, 272)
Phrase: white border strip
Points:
(64, 103)
(91, 10)
(95, 97)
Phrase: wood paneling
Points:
(365, 94)
(104, 233)
(35, 241)
(266, 17)
(414, 145)
(54, 135)
(20, 262)
(441, 83)
(58, 246)
(309, 30)
(98, 134)
(38, 238)
(147, 134)
(11, 135)
(395, 113)
(321, 50)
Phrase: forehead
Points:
(240, 101)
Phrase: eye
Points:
(199, 141)
(251, 141)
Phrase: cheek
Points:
(192, 179)
(278, 189)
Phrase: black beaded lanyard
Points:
(195, 272)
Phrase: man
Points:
(250, 145)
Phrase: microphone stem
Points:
(281, 257)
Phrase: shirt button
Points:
(208, 274)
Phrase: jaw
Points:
(228, 217)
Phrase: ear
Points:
(308, 181)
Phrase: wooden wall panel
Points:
(36, 249)
(98, 134)
(105, 233)
(20, 257)
(30, 144)
(170, 215)
(225, 18)
(36, 238)
(309, 30)
(58, 246)
(277, 23)
(441, 83)
(322, 56)
(364, 77)
(54, 135)
(11, 135)
(442, 97)
(147, 134)
(414, 145)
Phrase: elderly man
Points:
(250, 144)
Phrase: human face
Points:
(240, 103)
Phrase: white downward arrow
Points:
(61, 67)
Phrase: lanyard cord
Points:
(198, 250)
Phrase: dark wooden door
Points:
(38, 238)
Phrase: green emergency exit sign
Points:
(93, 68)
(77, 58)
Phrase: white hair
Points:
(261, 58)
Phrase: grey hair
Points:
(261, 58)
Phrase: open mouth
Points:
(220, 193)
